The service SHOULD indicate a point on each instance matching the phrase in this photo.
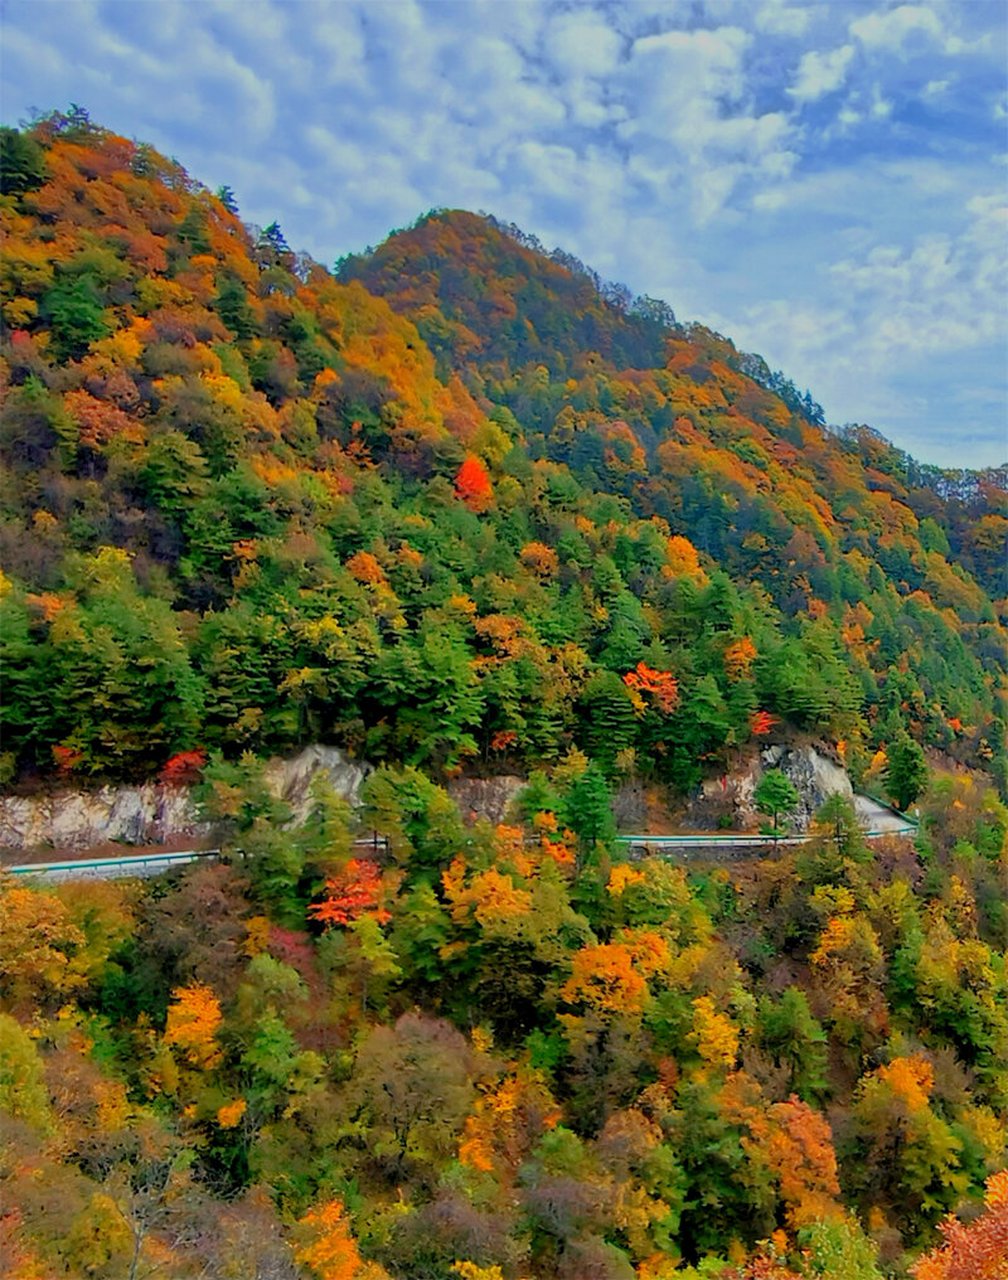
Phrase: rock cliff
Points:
(154, 813)
(728, 800)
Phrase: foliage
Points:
(481, 1054)
(463, 507)
(775, 795)
(906, 772)
(436, 508)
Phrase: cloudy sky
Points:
(825, 183)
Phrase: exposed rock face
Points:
(154, 813)
(291, 779)
(630, 807)
(726, 801)
(815, 777)
(731, 798)
(147, 814)
(488, 798)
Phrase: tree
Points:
(906, 773)
(775, 795)
(605, 981)
(327, 1246)
(905, 1155)
(227, 198)
(588, 810)
(234, 309)
(354, 892)
(410, 1093)
(977, 1250)
(419, 819)
(193, 1020)
(37, 943)
(836, 820)
(272, 249)
(22, 162)
(661, 686)
(609, 718)
(472, 484)
(122, 688)
(795, 1040)
(76, 316)
(23, 1094)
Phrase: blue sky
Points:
(824, 183)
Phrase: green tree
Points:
(234, 309)
(699, 731)
(419, 819)
(227, 198)
(174, 472)
(792, 1036)
(124, 695)
(836, 820)
(906, 773)
(839, 1249)
(23, 1093)
(587, 810)
(439, 703)
(610, 723)
(776, 796)
(22, 162)
(410, 1093)
(76, 316)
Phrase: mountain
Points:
(462, 507)
(461, 504)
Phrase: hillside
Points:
(438, 510)
(462, 508)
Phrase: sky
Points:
(825, 183)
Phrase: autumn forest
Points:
(463, 509)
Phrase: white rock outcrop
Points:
(732, 796)
(154, 813)
(815, 777)
(291, 779)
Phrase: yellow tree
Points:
(37, 943)
(193, 1020)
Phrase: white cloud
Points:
(693, 125)
(708, 57)
(890, 30)
(881, 108)
(943, 291)
(821, 73)
(779, 19)
(666, 142)
(581, 43)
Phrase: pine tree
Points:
(775, 796)
(907, 773)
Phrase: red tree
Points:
(472, 484)
(354, 892)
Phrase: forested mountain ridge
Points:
(509, 304)
(462, 504)
(498, 518)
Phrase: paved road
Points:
(883, 822)
(880, 819)
(145, 864)
(152, 862)
(740, 841)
